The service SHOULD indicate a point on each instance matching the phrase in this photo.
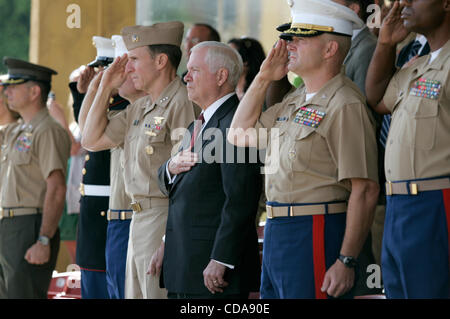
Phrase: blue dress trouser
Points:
(116, 257)
(297, 251)
(415, 253)
(93, 284)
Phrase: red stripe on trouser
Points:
(319, 254)
(446, 197)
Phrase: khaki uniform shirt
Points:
(144, 128)
(317, 159)
(118, 200)
(33, 151)
(418, 145)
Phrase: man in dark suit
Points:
(210, 248)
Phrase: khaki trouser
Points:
(18, 278)
(146, 231)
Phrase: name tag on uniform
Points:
(309, 116)
(23, 144)
(426, 88)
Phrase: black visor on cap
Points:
(101, 61)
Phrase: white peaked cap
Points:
(104, 46)
(119, 45)
(313, 17)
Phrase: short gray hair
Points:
(221, 55)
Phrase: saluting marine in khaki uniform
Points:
(415, 252)
(144, 129)
(34, 165)
(322, 140)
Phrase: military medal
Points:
(23, 143)
(426, 88)
(158, 119)
(309, 117)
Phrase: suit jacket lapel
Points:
(212, 123)
(218, 115)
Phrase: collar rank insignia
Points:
(426, 88)
(282, 119)
(23, 143)
(135, 122)
(309, 117)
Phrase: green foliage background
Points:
(14, 29)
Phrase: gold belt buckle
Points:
(136, 207)
(413, 189)
(82, 189)
(388, 188)
(123, 215)
(269, 212)
(108, 215)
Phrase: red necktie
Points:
(198, 123)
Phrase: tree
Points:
(15, 29)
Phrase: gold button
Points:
(86, 158)
(83, 171)
(102, 213)
(292, 154)
(134, 38)
(149, 150)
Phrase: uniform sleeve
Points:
(53, 150)
(391, 94)
(352, 143)
(117, 127)
(181, 116)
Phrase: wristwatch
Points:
(348, 261)
(44, 240)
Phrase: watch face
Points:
(44, 240)
(348, 261)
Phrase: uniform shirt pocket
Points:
(425, 120)
(299, 152)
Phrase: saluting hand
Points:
(85, 78)
(392, 30)
(115, 74)
(38, 254)
(275, 66)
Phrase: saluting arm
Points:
(88, 100)
(94, 126)
(273, 68)
(382, 65)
